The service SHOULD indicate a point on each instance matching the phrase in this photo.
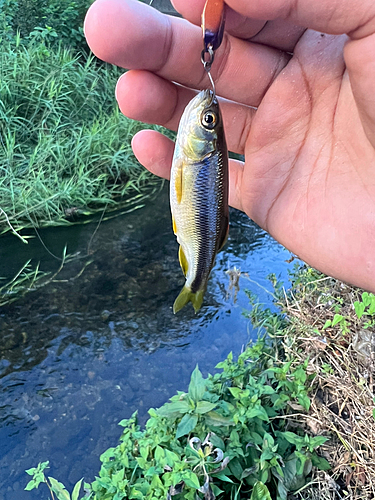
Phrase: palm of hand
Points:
(309, 170)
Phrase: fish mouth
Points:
(210, 97)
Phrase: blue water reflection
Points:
(77, 357)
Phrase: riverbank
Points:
(300, 404)
(332, 326)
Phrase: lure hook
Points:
(207, 63)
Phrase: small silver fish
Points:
(199, 194)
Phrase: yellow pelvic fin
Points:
(174, 225)
(185, 296)
(178, 181)
(183, 261)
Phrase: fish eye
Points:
(209, 120)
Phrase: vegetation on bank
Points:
(65, 146)
(292, 418)
(65, 150)
(55, 21)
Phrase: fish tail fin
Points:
(185, 296)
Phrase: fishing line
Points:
(96, 230)
(42, 242)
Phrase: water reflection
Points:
(78, 356)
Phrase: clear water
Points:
(78, 356)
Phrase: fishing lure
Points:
(213, 19)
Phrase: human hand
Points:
(309, 171)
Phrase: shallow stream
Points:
(79, 355)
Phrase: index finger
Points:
(133, 35)
(335, 17)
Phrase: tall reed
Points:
(64, 145)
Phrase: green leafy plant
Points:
(227, 437)
(365, 309)
(55, 487)
(52, 21)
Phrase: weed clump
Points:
(333, 326)
(227, 437)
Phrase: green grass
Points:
(64, 145)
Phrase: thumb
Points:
(360, 63)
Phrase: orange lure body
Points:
(213, 23)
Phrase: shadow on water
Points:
(79, 355)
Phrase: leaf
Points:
(223, 477)
(371, 309)
(191, 479)
(159, 455)
(282, 491)
(320, 462)
(317, 441)
(107, 455)
(175, 408)
(118, 476)
(235, 391)
(292, 481)
(260, 492)
(76, 489)
(336, 319)
(40, 468)
(197, 386)
(359, 308)
(292, 438)
(304, 400)
(31, 472)
(150, 472)
(366, 298)
(171, 457)
(259, 412)
(217, 420)
(204, 407)
(119, 496)
(247, 472)
(216, 490)
(31, 485)
(217, 441)
(59, 489)
(187, 424)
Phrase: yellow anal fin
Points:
(178, 181)
(183, 261)
(185, 296)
